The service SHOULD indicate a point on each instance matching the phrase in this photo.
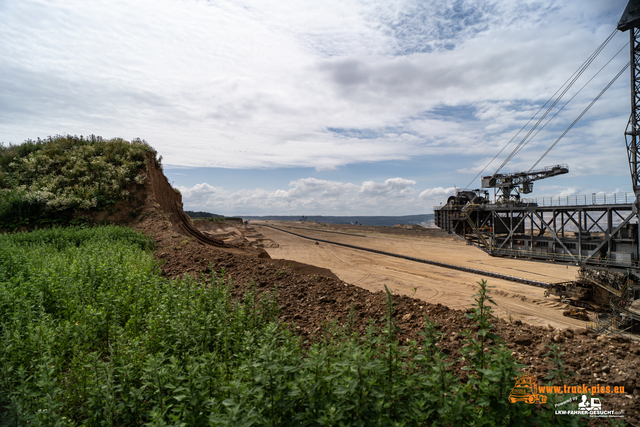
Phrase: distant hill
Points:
(425, 220)
(193, 214)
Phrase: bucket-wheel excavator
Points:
(599, 233)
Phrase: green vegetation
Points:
(201, 214)
(91, 334)
(217, 218)
(210, 219)
(45, 181)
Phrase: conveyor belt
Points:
(424, 261)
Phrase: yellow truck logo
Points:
(526, 390)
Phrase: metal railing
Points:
(583, 199)
(575, 200)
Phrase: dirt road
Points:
(452, 288)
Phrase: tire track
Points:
(335, 255)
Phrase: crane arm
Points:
(522, 180)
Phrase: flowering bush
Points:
(62, 173)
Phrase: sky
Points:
(324, 107)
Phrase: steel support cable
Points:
(582, 114)
(571, 99)
(577, 75)
(510, 141)
(583, 66)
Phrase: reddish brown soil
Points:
(310, 297)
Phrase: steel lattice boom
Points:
(511, 185)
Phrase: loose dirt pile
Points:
(409, 227)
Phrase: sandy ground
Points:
(452, 288)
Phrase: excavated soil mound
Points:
(234, 233)
(157, 200)
(409, 227)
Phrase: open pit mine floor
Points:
(433, 284)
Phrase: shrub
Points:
(46, 180)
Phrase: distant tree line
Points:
(193, 214)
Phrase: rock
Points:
(572, 362)
(540, 350)
(568, 333)
(407, 317)
(558, 339)
(629, 383)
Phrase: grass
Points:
(91, 334)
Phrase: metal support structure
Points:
(598, 236)
(633, 127)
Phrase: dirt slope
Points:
(163, 197)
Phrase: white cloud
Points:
(394, 196)
(202, 193)
(248, 83)
(392, 187)
(308, 186)
(569, 191)
(274, 84)
(430, 193)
